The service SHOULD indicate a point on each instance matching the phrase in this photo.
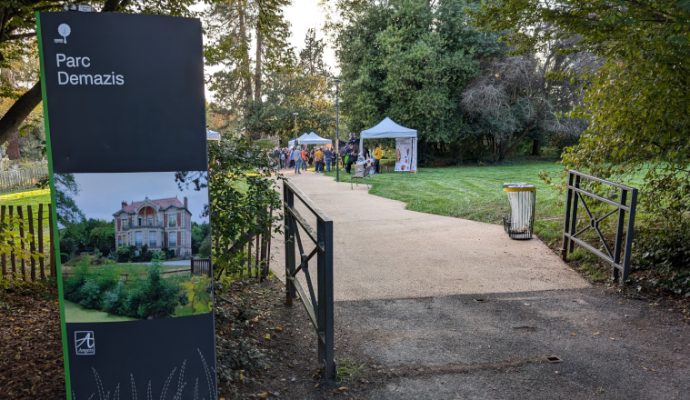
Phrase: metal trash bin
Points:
(519, 224)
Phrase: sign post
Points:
(123, 99)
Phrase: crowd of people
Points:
(323, 158)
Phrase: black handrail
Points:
(319, 305)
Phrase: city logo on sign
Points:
(63, 30)
(84, 343)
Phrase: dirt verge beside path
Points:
(30, 347)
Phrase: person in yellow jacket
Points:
(378, 154)
(318, 159)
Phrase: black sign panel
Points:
(125, 121)
(125, 92)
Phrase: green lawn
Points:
(28, 197)
(476, 193)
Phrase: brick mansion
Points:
(158, 224)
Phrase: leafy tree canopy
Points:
(638, 102)
(410, 60)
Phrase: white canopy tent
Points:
(292, 143)
(406, 142)
(212, 135)
(312, 138)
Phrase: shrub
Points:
(75, 281)
(155, 298)
(106, 279)
(124, 254)
(167, 253)
(114, 300)
(144, 254)
(157, 255)
(666, 251)
(90, 295)
(197, 294)
(205, 247)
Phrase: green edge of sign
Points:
(56, 232)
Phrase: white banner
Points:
(404, 154)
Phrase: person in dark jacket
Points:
(328, 159)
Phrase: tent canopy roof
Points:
(212, 135)
(312, 138)
(388, 129)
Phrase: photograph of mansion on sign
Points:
(159, 224)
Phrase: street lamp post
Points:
(294, 122)
(337, 130)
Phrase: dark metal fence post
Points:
(619, 235)
(566, 227)
(573, 221)
(629, 236)
(325, 310)
(289, 202)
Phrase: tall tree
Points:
(508, 104)
(239, 83)
(410, 60)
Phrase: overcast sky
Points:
(305, 14)
(100, 195)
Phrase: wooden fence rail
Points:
(22, 178)
(33, 259)
(201, 266)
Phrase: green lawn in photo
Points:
(133, 269)
(76, 313)
(106, 292)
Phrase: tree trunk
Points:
(536, 147)
(259, 65)
(13, 147)
(246, 73)
(13, 118)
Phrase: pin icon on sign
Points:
(63, 30)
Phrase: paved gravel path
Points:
(383, 251)
(445, 308)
